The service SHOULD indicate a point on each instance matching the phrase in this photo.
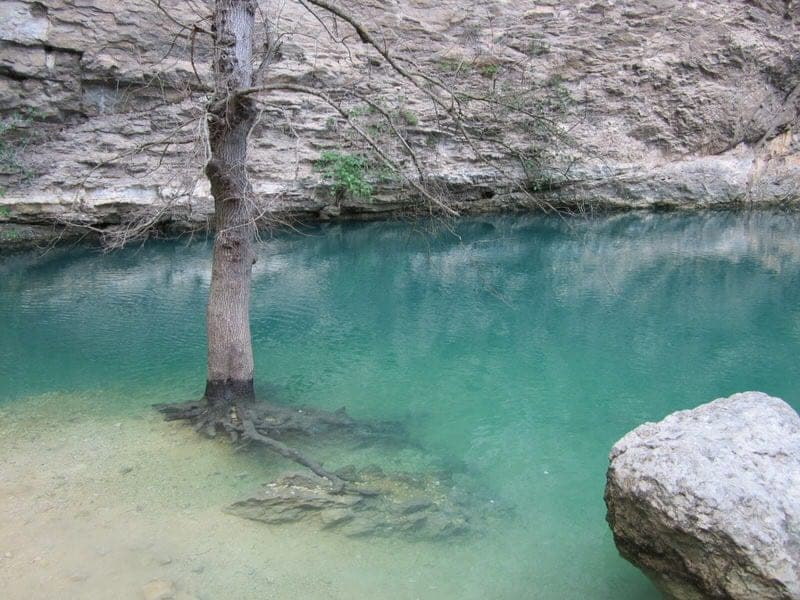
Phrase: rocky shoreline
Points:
(33, 232)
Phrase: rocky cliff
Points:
(672, 103)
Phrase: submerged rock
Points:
(420, 507)
(292, 498)
(159, 589)
(707, 501)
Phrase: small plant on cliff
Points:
(537, 46)
(409, 117)
(453, 66)
(346, 174)
(558, 96)
(15, 134)
(489, 71)
(538, 179)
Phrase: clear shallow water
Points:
(516, 353)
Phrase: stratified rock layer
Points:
(676, 103)
(707, 501)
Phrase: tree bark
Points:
(230, 119)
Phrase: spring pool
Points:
(514, 350)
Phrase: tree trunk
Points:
(230, 119)
(228, 404)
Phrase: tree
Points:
(242, 57)
(231, 116)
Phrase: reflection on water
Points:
(514, 353)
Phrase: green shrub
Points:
(537, 46)
(409, 117)
(15, 134)
(346, 174)
(451, 65)
(489, 71)
(360, 111)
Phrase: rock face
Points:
(675, 103)
(707, 501)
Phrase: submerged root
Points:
(263, 423)
(252, 434)
(366, 501)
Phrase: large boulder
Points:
(707, 501)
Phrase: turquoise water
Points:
(515, 349)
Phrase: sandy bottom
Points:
(97, 505)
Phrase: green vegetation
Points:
(537, 179)
(559, 99)
(535, 160)
(489, 71)
(484, 66)
(346, 174)
(409, 117)
(451, 65)
(360, 111)
(15, 134)
(537, 46)
(377, 128)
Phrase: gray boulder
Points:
(707, 501)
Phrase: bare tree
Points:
(231, 116)
(245, 45)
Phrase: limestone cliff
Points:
(675, 103)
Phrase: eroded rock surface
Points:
(707, 501)
(417, 507)
(679, 103)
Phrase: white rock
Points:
(707, 501)
(159, 589)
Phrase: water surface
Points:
(514, 350)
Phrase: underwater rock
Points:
(292, 498)
(159, 589)
(419, 507)
(707, 501)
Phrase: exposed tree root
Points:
(262, 423)
(354, 501)
(250, 433)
